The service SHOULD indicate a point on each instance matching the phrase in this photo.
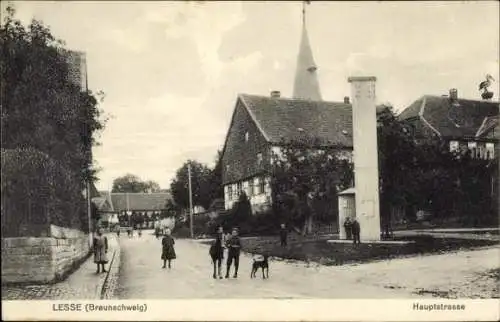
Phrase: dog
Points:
(261, 262)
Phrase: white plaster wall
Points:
(365, 157)
(259, 201)
(347, 208)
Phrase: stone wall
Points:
(43, 259)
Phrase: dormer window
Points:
(247, 136)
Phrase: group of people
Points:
(130, 232)
(352, 230)
(233, 244)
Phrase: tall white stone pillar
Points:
(364, 118)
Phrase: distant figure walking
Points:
(283, 235)
(100, 247)
(168, 251)
(130, 232)
(233, 253)
(157, 229)
(140, 232)
(348, 228)
(118, 232)
(356, 230)
(217, 252)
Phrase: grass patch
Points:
(318, 250)
(489, 232)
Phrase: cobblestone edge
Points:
(108, 287)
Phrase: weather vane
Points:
(304, 11)
(484, 87)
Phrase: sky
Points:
(171, 71)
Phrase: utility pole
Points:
(89, 212)
(190, 201)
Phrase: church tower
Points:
(306, 85)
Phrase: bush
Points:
(36, 192)
(200, 226)
(248, 224)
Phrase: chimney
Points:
(346, 100)
(453, 94)
(275, 94)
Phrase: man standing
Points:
(356, 229)
(283, 235)
(348, 228)
(233, 253)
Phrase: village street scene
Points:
(260, 150)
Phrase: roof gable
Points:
(107, 195)
(489, 127)
(411, 111)
(101, 203)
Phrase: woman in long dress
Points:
(100, 250)
(168, 251)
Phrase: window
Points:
(230, 192)
(228, 167)
(471, 145)
(490, 150)
(251, 188)
(247, 136)
(239, 188)
(256, 186)
(259, 158)
(454, 146)
(261, 185)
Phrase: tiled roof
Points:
(460, 119)
(139, 201)
(289, 120)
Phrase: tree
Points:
(133, 184)
(240, 216)
(420, 173)
(41, 108)
(200, 185)
(171, 210)
(152, 186)
(305, 183)
(44, 113)
(241, 212)
(216, 190)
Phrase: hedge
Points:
(36, 192)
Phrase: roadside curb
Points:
(108, 286)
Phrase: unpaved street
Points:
(141, 275)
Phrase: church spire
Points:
(306, 85)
